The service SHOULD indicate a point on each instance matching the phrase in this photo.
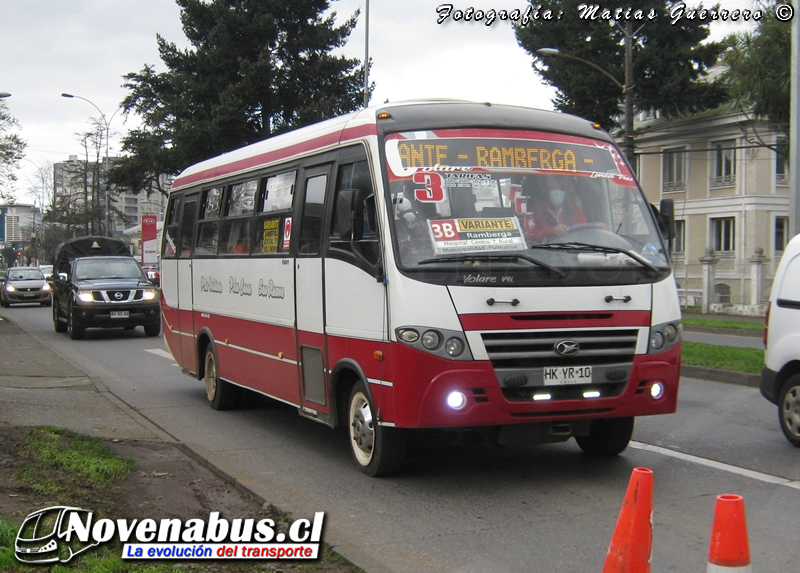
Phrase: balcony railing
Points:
(723, 181)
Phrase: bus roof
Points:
(404, 116)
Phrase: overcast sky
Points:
(84, 47)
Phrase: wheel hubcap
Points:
(362, 429)
(211, 377)
(790, 411)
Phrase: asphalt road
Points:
(474, 508)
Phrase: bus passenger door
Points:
(185, 314)
(309, 305)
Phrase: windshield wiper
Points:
(514, 257)
(599, 249)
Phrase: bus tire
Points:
(221, 395)
(607, 437)
(377, 450)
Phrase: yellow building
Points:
(731, 195)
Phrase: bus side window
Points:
(170, 244)
(314, 200)
(357, 176)
(235, 233)
(208, 227)
(186, 231)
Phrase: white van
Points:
(780, 378)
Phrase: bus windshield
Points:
(505, 198)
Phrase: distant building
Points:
(731, 195)
(20, 230)
(74, 188)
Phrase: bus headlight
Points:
(454, 346)
(431, 340)
(441, 342)
(663, 336)
(656, 340)
(408, 335)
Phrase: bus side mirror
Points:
(668, 218)
(350, 214)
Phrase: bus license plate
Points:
(555, 376)
(119, 314)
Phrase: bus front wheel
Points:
(378, 450)
(607, 437)
(221, 395)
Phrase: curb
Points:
(728, 331)
(717, 375)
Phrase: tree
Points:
(256, 68)
(12, 150)
(759, 70)
(668, 59)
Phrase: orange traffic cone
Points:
(632, 541)
(730, 550)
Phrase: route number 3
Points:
(433, 191)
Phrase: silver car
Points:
(25, 285)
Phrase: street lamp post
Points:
(626, 88)
(107, 124)
(4, 95)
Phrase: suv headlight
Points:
(85, 296)
(149, 294)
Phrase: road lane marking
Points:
(717, 465)
(160, 352)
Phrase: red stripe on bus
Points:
(537, 320)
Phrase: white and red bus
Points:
(429, 264)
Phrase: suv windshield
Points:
(93, 269)
(512, 201)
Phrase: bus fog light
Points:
(456, 400)
(591, 394)
(454, 346)
(541, 397)
(656, 340)
(657, 390)
(431, 339)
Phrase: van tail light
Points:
(766, 325)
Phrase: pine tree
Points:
(669, 58)
(12, 150)
(255, 68)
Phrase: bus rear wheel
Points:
(607, 437)
(221, 395)
(378, 450)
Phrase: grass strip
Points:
(723, 323)
(750, 360)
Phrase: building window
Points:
(723, 164)
(781, 233)
(674, 169)
(722, 293)
(723, 234)
(782, 160)
(678, 245)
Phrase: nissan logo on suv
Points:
(567, 347)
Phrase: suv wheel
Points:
(75, 332)
(789, 410)
(57, 324)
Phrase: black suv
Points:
(99, 284)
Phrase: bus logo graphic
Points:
(45, 536)
(567, 348)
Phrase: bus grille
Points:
(514, 350)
